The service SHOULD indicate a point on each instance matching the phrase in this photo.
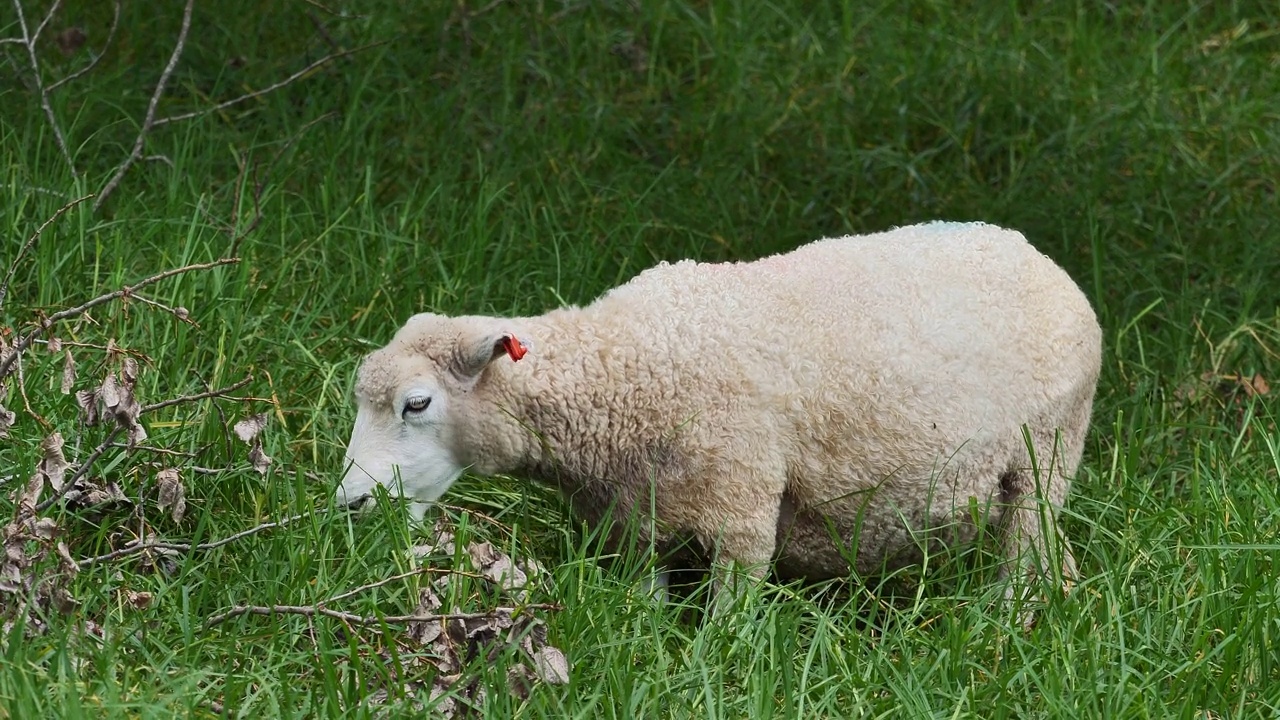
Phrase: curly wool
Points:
(874, 385)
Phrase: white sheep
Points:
(873, 386)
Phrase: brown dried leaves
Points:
(172, 496)
(249, 430)
(115, 399)
(28, 541)
(449, 644)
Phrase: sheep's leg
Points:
(1033, 541)
(656, 585)
(743, 545)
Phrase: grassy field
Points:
(510, 157)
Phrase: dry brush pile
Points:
(70, 386)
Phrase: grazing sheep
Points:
(872, 386)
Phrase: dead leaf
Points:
(139, 600)
(68, 373)
(54, 345)
(44, 528)
(551, 666)
(259, 459)
(248, 428)
(118, 398)
(53, 466)
(88, 402)
(88, 494)
(70, 40)
(30, 497)
(69, 564)
(520, 681)
(7, 418)
(172, 494)
(440, 544)
(497, 567)
(1255, 386)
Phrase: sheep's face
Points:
(409, 399)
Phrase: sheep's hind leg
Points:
(1033, 541)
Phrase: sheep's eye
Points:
(416, 404)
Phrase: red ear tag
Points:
(513, 347)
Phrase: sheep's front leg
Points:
(743, 543)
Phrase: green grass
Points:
(544, 152)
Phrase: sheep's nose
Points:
(360, 502)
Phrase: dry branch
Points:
(385, 581)
(270, 88)
(145, 545)
(111, 36)
(13, 268)
(29, 41)
(150, 117)
(43, 326)
(53, 9)
(313, 610)
(197, 396)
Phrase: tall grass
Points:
(539, 153)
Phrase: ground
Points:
(507, 157)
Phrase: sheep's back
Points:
(933, 334)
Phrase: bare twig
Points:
(487, 8)
(111, 35)
(270, 88)
(153, 449)
(401, 576)
(329, 10)
(324, 33)
(13, 268)
(144, 545)
(44, 324)
(312, 610)
(198, 396)
(259, 186)
(150, 117)
(181, 313)
(53, 9)
(29, 40)
(26, 403)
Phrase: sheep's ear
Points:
(474, 356)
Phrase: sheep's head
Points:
(409, 397)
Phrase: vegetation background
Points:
(506, 157)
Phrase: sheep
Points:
(848, 405)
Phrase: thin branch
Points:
(181, 313)
(334, 45)
(153, 449)
(238, 236)
(29, 41)
(111, 35)
(44, 324)
(145, 545)
(198, 396)
(150, 117)
(312, 611)
(331, 11)
(259, 93)
(26, 403)
(13, 268)
(53, 9)
(401, 576)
